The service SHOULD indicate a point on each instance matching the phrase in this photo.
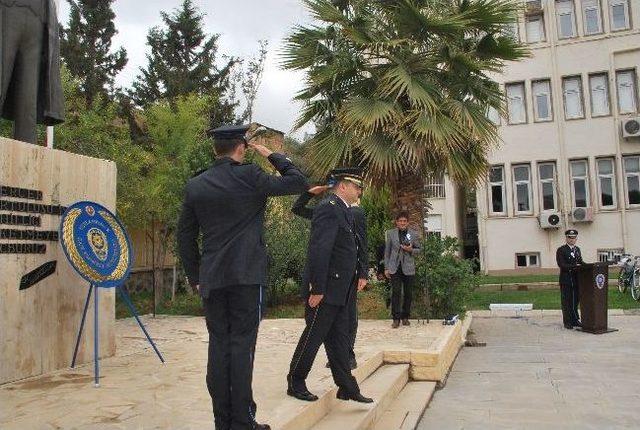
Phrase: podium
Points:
(593, 282)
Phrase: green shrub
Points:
(286, 236)
(449, 279)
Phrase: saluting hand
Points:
(261, 149)
(318, 189)
(361, 284)
(315, 299)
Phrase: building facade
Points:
(564, 162)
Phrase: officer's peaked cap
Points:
(571, 232)
(351, 174)
(229, 132)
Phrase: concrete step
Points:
(405, 411)
(383, 386)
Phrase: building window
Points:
(592, 16)
(433, 225)
(511, 31)
(607, 183)
(516, 103)
(535, 28)
(498, 191)
(547, 176)
(542, 100)
(434, 186)
(580, 183)
(531, 259)
(632, 179)
(572, 89)
(626, 84)
(522, 188)
(619, 13)
(599, 91)
(610, 255)
(493, 115)
(565, 15)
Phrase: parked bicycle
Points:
(629, 276)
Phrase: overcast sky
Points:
(240, 23)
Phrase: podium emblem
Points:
(600, 281)
(96, 244)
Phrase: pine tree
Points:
(183, 61)
(86, 47)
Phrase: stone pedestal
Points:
(39, 323)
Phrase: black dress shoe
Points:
(343, 395)
(568, 326)
(257, 426)
(300, 393)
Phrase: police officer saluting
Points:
(569, 257)
(328, 282)
(226, 203)
(301, 209)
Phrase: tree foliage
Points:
(85, 47)
(182, 61)
(402, 86)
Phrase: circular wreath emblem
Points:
(600, 280)
(96, 244)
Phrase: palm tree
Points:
(401, 87)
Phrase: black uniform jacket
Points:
(332, 256)
(301, 209)
(227, 204)
(568, 261)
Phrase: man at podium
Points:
(569, 257)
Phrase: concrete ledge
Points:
(543, 313)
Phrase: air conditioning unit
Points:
(533, 7)
(549, 219)
(581, 215)
(631, 127)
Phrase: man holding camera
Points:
(227, 204)
(401, 246)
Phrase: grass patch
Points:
(370, 304)
(517, 279)
(543, 299)
(527, 279)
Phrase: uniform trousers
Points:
(329, 325)
(233, 315)
(352, 306)
(570, 299)
(21, 39)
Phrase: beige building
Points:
(568, 158)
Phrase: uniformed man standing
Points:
(360, 220)
(227, 204)
(569, 257)
(328, 282)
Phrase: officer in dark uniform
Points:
(227, 204)
(569, 257)
(328, 282)
(300, 208)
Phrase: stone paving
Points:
(137, 392)
(534, 374)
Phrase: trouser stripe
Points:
(306, 341)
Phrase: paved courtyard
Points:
(138, 393)
(534, 374)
